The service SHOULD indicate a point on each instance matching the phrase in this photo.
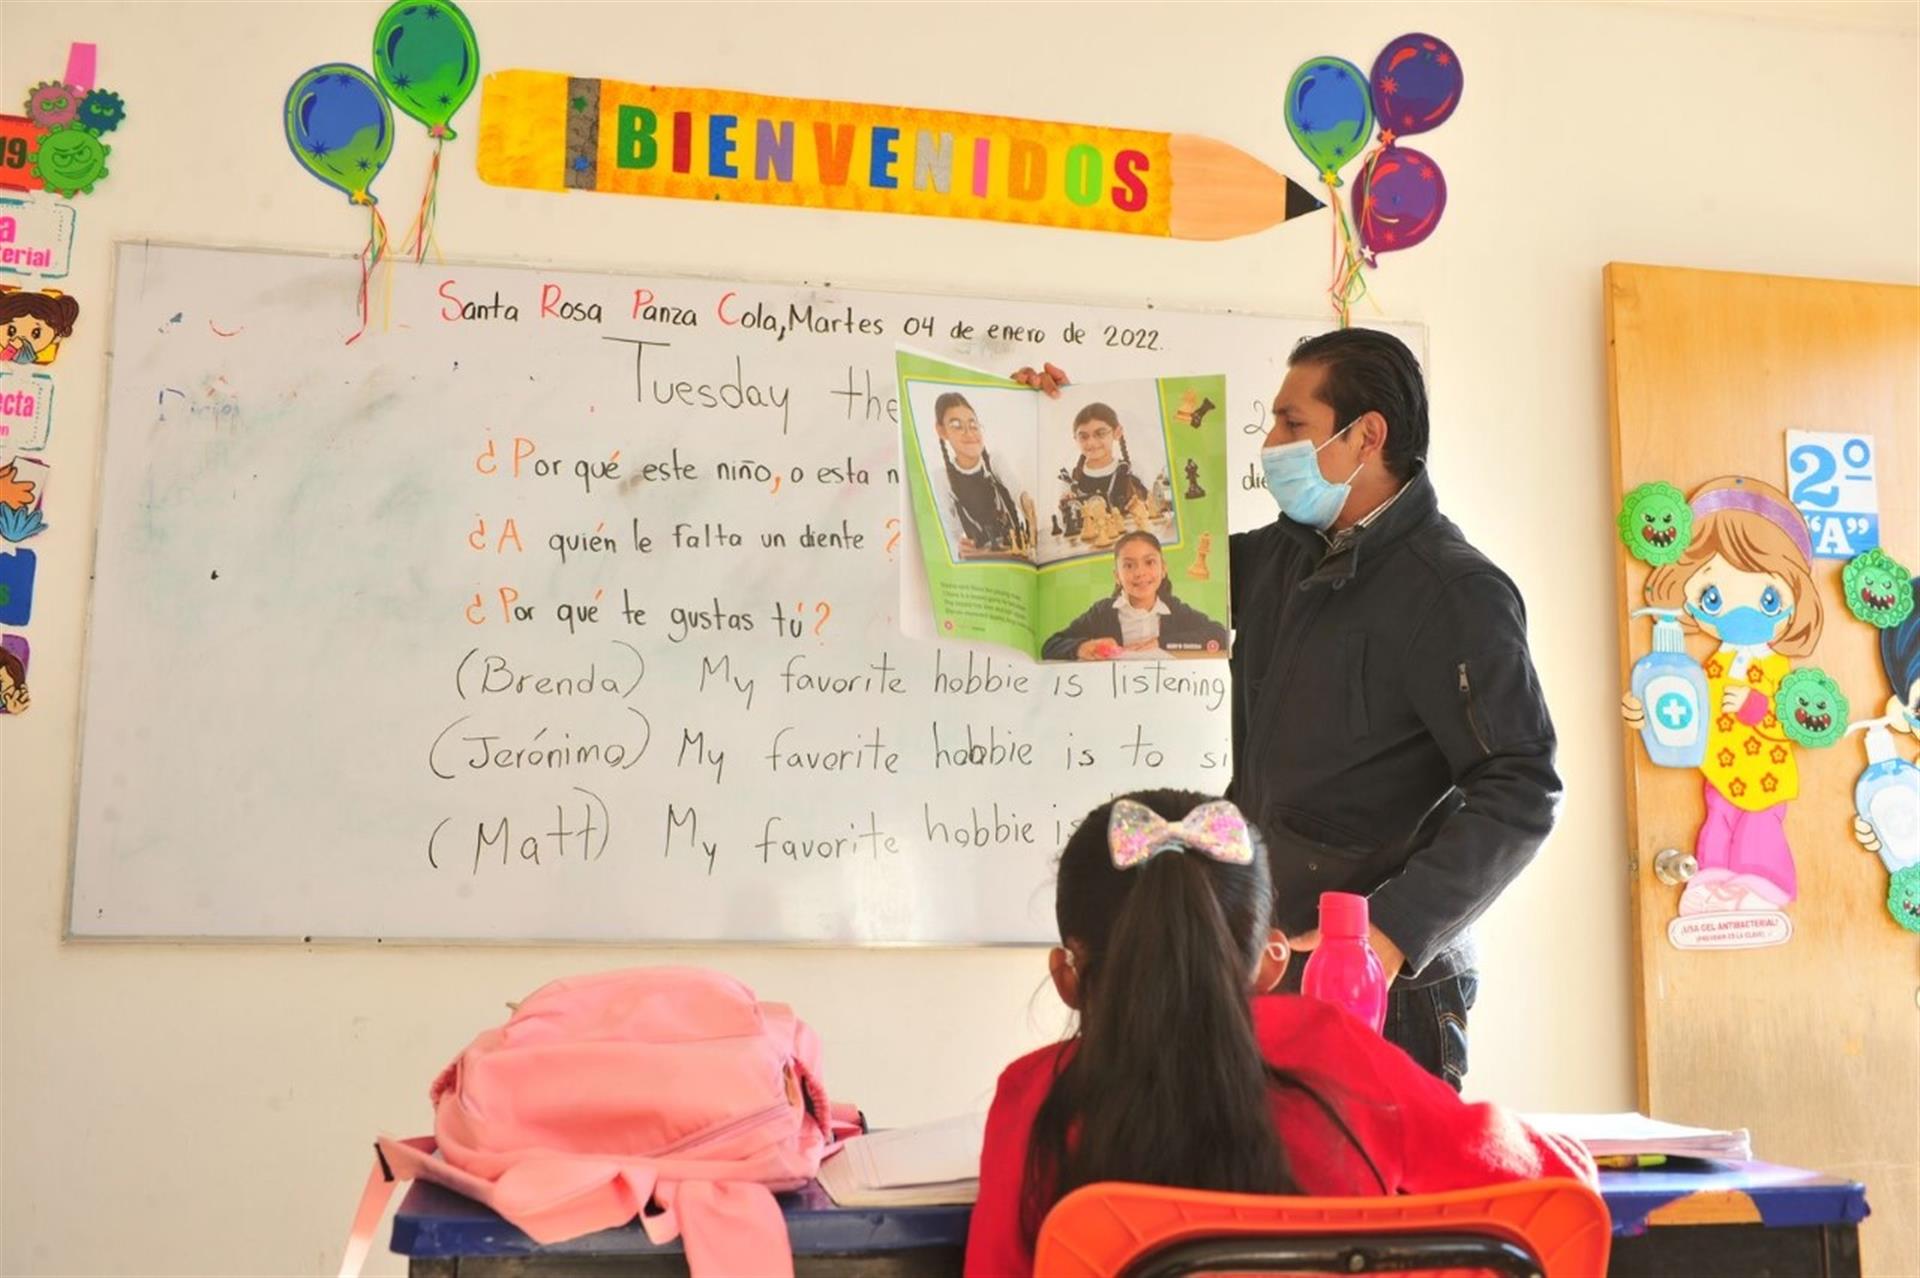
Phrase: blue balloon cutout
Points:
(1329, 112)
(340, 128)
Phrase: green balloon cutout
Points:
(427, 60)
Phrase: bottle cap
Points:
(1342, 914)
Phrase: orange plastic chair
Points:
(1539, 1228)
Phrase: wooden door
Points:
(1814, 1044)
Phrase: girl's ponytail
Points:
(1192, 1113)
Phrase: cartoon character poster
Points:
(1733, 563)
(1886, 797)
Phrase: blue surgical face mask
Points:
(1743, 627)
(1303, 494)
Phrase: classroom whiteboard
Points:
(564, 606)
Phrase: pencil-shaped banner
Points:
(546, 131)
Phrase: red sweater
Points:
(1419, 1133)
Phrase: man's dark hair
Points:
(1369, 371)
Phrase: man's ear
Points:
(1273, 962)
(1372, 429)
(1066, 976)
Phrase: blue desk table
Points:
(1754, 1220)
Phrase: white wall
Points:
(175, 1109)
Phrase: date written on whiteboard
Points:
(1831, 479)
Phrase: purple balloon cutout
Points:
(1416, 84)
(1397, 200)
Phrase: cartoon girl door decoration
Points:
(1742, 575)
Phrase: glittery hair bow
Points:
(1135, 832)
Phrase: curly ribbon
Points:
(1349, 280)
(420, 236)
(371, 255)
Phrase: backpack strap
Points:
(393, 1161)
(727, 1227)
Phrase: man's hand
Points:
(1391, 959)
(1049, 378)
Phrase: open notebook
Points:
(1617, 1135)
(908, 1166)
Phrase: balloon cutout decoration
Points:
(1401, 193)
(339, 128)
(1330, 117)
(1398, 198)
(427, 61)
(1398, 193)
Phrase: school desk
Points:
(1678, 1221)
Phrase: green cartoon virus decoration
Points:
(71, 159)
(1879, 590)
(102, 110)
(1656, 523)
(1903, 898)
(51, 104)
(1811, 708)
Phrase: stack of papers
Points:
(1627, 1135)
(908, 1166)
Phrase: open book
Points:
(909, 1166)
(1091, 527)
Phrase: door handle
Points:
(1674, 867)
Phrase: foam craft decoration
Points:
(1415, 85)
(1879, 590)
(73, 115)
(17, 571)
(340, 129)
(23, 497)
(1398, 197)
(33, 324)
(15, 656)
(1655, 523)
(427, 60)
(1903, 898)
(547, 131)
(1329, 112)
(1811, 708)
(1758, 709)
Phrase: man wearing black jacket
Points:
(1389, 733)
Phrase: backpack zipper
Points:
(727, 1128)
(1473, 721)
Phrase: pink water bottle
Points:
(1344, 970)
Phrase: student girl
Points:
(32, 325)
(1105, 468)
(1184, 1071)
(979, 507)
(1142, 615)
(1746, 579)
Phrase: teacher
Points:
(1389, 733)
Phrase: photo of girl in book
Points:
(1142, 618)
(978, 507)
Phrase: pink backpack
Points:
(604, 1093)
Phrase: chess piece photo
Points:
(1093, 520)
(1188, 401)
(1194, 490)
(1198, 569)
(1199, 414)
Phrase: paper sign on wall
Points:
(547, 131)
(36, 238)
(26, 409)
(1832, 483)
